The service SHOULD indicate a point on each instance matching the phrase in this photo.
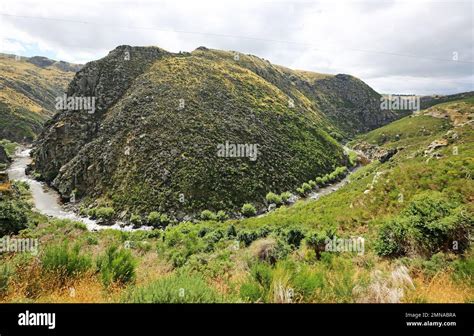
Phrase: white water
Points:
(47, 200)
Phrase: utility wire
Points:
(312, 46)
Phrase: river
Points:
(47, 201)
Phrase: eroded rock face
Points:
(374, 152)
(106, 80)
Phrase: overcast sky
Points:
(406, 46)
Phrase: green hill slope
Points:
(28, 89)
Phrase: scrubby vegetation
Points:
(27, 97)
(65, 261)
(116, 266)
(422, 239)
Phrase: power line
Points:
(312, 46)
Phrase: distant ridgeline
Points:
(210, 129)
(28, 89)
(428, 101)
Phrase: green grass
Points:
(175, 289)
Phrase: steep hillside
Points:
(349, 105)
(152, 143)
(403, 229)
(28, 89)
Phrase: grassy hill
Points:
(27, 94)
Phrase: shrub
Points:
(154, 218)
(180, 242)
(208, 215)
(464, 270)
(136, 219)
(312, 184)
(116, 266)
(305, 281)
(221, 215)
(262, 274)
(105, 213)
(248, 210)
(429, 224)
(91, 213)
(285, 196)
(293, 236)
(182, 288)
(231, 232)
(319, 181)
(316, 240)
(214, 236)
(325, 179)
(250, 291)
(13, 217)
(306, 187)
(273, 198)
(164, 219)
(68, 262)
(301, 191)
(391, 237)
(247, 236)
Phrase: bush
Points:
(105, 213)
(208, 215)
(429, 224)
(301, 191)
(248, 210)
(325, 180)
(391, 237)
(182, 288)
(312, 184)
(91, 213)
(13, 217)
(285, 196)
(262, 274)
(180, 242)
(353, 158)
(231, 232)
(221, 215)
(250, 291)
(116, 266)
(316, 240)
(319, 181)
(305, 281)
(247, 237)
(293, 236)
(135, 219)
(273, 198)
(306, 187)
(154, 218)
(464, 270)
(164, 219)
(65, 261)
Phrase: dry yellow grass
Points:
(5, 187)
(440, 289)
